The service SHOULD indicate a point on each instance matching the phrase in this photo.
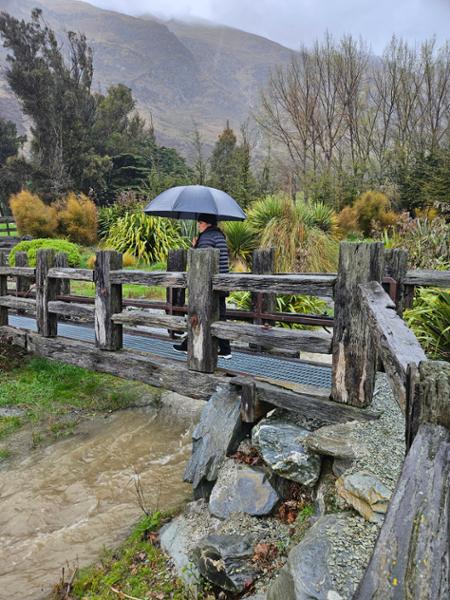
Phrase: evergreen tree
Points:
(223, 163)
(13, 171)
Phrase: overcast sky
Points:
(293, 22)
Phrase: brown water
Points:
(61, 505)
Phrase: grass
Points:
(139, 569)
(4, 230)
(48, 392)
(85, 288)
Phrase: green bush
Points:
(146, 238)
(430, 320)
(31, 247)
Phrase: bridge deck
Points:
(269, 367)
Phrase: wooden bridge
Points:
(411, 558)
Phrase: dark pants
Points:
(224, 345)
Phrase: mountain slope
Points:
(180, 73)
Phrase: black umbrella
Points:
(189, 201)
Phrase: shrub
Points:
(129, 260)
(347, 221)
(90, 263)
(146, 238)
(31, 247)
(77, 219)
(32, 216)
(430, 320)
(241, 240)
(373, 209)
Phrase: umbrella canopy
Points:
(189, 201)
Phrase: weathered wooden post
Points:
(263, 263)
(176, 262)
(203, 309)
(354, 353)
(412, 554)
(62, 262)
(46, 291)
(3, 289)
(22, 283)
(108, 301)
(396, 266)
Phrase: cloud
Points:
(297, 22)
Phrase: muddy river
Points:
(60, 505)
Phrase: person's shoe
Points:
(225, 354)
(181, 347)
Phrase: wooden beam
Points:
(23, 284)
(308, 401)
(428, 397)
(428, 277)
(312, 285)
(158, 278)
(108, 301)
(411, 557)
(46, 291)
(396, 343)
(144, 317)
(17, 271)
(3, 289)
(354, 354)
(203, 309)
(395, 265)
(28, 304)
(69, 273)
(62, 262)
(274, 337)
(139, 366)
(71, 309)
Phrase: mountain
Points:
(180, 73)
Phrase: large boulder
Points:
(280, 444)
(225, 561)
(365, 493)
(218, 434)
(240, 488)
(339, 440)
(330, 560)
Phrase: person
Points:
(210, 236)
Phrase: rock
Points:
(365, 493)
(337, 440)
(11, 412)
(280, 444)
(341, 465)
(311, 562)
(282, 587)
(240, 488)
(225, 560)
(218, 433)
(179, 538)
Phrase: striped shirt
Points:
(213, 237)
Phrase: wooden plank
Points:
(274, 337)
(428, 277)
(308, 401)
(176, 263)
(263, 263)
(354, 354)
(7, 220)
(411, 556)
(396, 343)
(23, 284)
(395, 266)
(160, 372)
(108, 301)
(69, 273)
(71, 309)
(62, 262)
(312, 285)
(161, 278)
(17, 271)
(3, 289)
(146, 318)
(46, 291)
(428, 397)
(28, 304)
(203, 309)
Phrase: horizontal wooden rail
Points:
(71, 309)
(28, 272)
(7, 220)
(157, 278)
(396, 343)
(427, 277)
(276, 337)
(68, 273)
(146, 318)
(18, 303)
(311, 285)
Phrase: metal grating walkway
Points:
(266, 366)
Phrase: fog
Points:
(297, 22)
